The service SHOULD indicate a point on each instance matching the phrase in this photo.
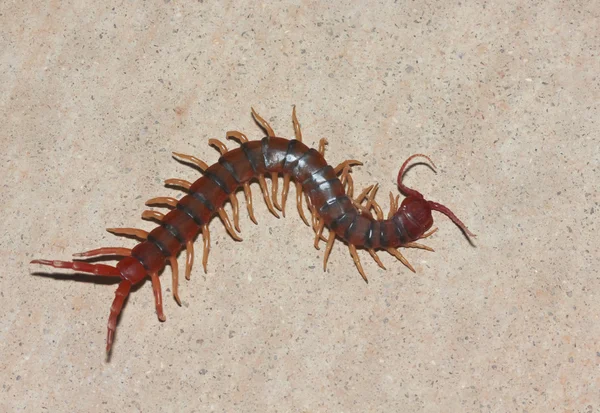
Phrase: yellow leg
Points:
(263, 123)
(299, 202)
(175, 274)
(238, 136)
(376, 258)
(274, 185)
(248, 195)
(284, 193)
(297, 131)
(206, 245)
(235, 207)
(191, 159)
(354, 254)
(189, 259)
(263, 188)
(219, 145)
(330, 241)
(398, 255)
(129, 232)
(225, 218)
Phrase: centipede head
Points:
(418, 209)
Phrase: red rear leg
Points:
(115, 309)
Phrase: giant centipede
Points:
(328, 193)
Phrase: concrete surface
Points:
(503, 96)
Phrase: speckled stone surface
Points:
(504, 96)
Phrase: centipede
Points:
(327, 191)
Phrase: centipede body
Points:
(328, 191)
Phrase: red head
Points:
(418, 209)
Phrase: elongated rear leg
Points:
(115, 309)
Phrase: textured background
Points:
(504, 97)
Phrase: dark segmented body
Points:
(332, 207)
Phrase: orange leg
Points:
(189, 259)
(157, 296)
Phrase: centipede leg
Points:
(284, 193)
(189, 259)
(235, 207)
(220, 146)
(430, 233)
(274, 187)
(297, 130)
(123, 252)
(175, 275)
(398, 255)
(263, 123)
(96, 269)
(330, 241)
(129, 232)
(299, 202)
(319, 232)
(181, 157)
(238, 136)
(156, 289)
(347, 163)
(248, 195)
(162, 200)
(263, 188)
(376, 258)
(322, 143)
(206, 246)
(115, 309)
(153, 215)
(417, 245)
(225, 219)
(354, 254)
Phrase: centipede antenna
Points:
(263, 123)
(444, 210)
(156, 289)
(96, 269)
(220, 146)
(403, 188)
(175, 275)
(162, 200)
(189, 259)
(153, 215)
(115, 309)
(129, 232)
(297, 130)
(235, 135)
(180, 183)
(284, 192)
(191, 159)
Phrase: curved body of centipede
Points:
(329, 196)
